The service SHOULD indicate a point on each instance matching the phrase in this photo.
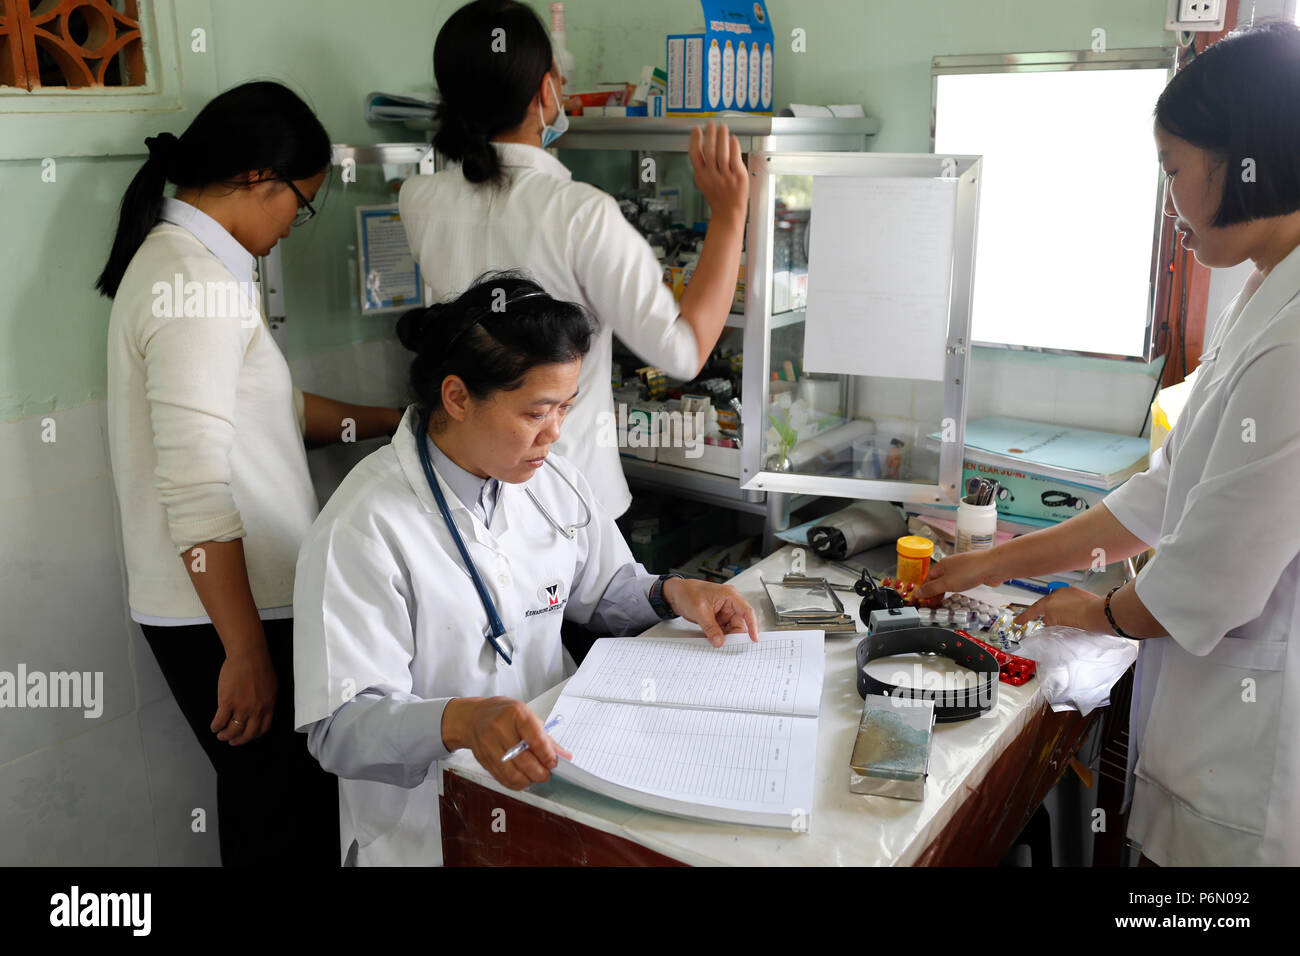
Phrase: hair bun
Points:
(414, 326)
(162, 147)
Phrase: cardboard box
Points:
(727, 67)
(1032, 496)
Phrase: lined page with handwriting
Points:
(679, 726)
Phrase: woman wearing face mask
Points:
(1216, 720)
(509, 204)
(206, 435)
(432, 587)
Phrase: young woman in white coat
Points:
(510, 204)
(399, 657)
(206, 437)
(1216, 717)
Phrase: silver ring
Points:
(234, 721)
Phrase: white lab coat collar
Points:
(1280, 287)
(213, 235)
(534, 157)
(408, 457)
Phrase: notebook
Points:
(1101, 460)
(676, 725)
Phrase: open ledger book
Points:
(676, 725)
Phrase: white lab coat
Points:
(384, 603)
(573, 240)
(1216, 714)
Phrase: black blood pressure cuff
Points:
(950, 703)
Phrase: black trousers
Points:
(275, 805)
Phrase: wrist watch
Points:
(657, 602)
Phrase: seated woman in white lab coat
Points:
(396, 659)
(1216, 718)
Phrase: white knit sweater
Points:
(205, 429)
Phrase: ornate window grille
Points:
(71, 44)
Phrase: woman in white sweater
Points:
(206, 435)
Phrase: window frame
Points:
(1074, 60)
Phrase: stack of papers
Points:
(1094, 459)
(390, 107)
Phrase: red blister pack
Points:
(1013, 670)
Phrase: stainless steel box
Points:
(891, 754)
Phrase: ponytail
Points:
(482, 90)
(141, 206)
(468, 144)
(250, 127)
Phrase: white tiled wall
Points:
(75, 790)
(119, 789)
(1109, 396)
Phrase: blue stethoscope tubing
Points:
(496, 628)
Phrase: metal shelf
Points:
(395, 154)
(673, 134)
(736, 320)
(703, 486)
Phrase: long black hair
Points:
(253, 126)
(1239, 100)
(490, 336)
(489, 59)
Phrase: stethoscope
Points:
(496, 630)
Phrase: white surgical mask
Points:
(551, 133)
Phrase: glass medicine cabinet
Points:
(858, 324)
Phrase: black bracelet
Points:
(1110, 617)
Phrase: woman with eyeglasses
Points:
(206, 437)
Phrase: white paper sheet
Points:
(708, 764)
(879, 273)
(781, 674)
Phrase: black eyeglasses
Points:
(305, 209)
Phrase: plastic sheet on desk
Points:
(799, 533)
(1078, 668)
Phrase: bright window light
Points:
(1068, 203)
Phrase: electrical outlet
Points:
(1200, 15)
(1198, 11)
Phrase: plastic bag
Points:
(1077, 668)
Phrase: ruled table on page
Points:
(724, 759)
(781, 674)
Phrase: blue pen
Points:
(1029, 586)
(520, 747)
(1037, 588)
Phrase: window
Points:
(71, 44)
(1069, 206)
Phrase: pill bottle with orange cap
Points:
(914, 554)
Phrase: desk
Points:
(987, 776)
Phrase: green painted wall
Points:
(55, 236)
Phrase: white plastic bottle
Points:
(976, 526)
(562, 55)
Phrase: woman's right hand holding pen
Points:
(490, 726)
